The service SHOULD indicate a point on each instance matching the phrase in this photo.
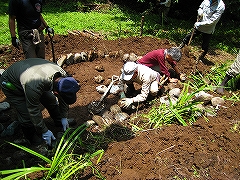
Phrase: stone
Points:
(175, 92)
(98, 79)
(99, 121)
(115, 109)
(77, 58)
(99, 68)
(70, 59)
(108, 117)
(101, 89)
(203, 97)
(121, 116)
(61, 60)
(217, 101)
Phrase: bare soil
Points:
(205, 150)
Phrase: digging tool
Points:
(96, 107)
(199, 17)
(51, 40)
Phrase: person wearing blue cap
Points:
(37, 81)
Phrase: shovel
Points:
(96, 107)
(51, 40)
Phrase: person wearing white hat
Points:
(143, 75)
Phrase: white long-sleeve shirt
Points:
(167, 3)
(211, 13)
(146, 76)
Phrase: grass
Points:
(64, 164)
(185, 111)
(117, 22)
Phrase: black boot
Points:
(31, 135)
(220, 90)
(181, 45)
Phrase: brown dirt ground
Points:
(205, 150)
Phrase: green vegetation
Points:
(117, 22)
(64, 164)
(184, 111)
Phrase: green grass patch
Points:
(118, 22)
(64, 164)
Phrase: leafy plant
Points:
(184, 111)
(64, 163)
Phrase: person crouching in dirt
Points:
(233, 71)
(143, 75)
(29, 83)
(157, 59)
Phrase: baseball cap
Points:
(67, 88)
(128, 70)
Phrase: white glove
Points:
(48, 137)
(126, 102)
(65, 124)
(197, 24)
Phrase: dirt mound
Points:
(206, 150)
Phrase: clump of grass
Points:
(214, 77)
(185, 111)
(64, 164)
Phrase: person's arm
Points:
(33, 101)
(45, 26)
(144, 93)
(12, 25)
(44, 23)
(63, 107)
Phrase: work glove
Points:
(197, 24)
(49, 30)
(15, 42)
(65, 124)
(126, 102)
(48, 137)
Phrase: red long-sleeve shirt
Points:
(156, 58)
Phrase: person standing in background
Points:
(209, 13)
(164, 10)
(30, 26)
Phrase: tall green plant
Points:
(184, 111)
(64, 163)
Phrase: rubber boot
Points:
(31, 135)
(225, 80)
(181, 45)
